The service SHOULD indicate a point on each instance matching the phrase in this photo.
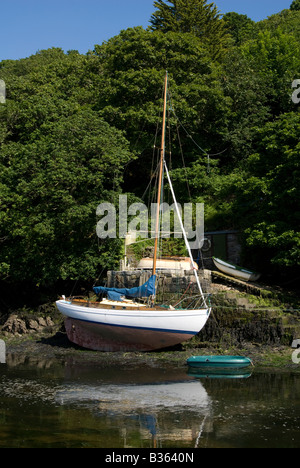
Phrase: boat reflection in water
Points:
(160, 412)
(77, 403)
(220, 373)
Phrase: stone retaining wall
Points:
(235, 320)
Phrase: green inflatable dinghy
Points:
(224, 362)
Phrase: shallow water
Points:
(66, 404)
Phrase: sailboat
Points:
(121, 321)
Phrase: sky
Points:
(27, 26)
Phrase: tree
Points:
(250, 106)
(195, 17)
(269, 193)
(133, 68)
(288, 21)
(50, 189)
(241, 27)
(295, 6)
(275, 57)
(58, 161)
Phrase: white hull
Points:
(107, 329)
(239, 273)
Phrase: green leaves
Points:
(295, 6)
(130, 96)
(275, 186)
(275, 56)
(240, 27)
(196, 17)
(59, 160)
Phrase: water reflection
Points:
(2, 352)
(220, 373)
(146, 407)
(128, 398)
(66, 403)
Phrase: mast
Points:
(161, 169)
(163, 166)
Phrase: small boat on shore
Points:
(219, 362)
(233, 270)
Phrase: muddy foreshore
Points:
(47, 347)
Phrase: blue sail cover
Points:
(115, 294)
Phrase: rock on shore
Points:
(19, 326)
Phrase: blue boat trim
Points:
(160, 330)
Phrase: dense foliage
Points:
(77, 130)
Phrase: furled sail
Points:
(116, 294)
